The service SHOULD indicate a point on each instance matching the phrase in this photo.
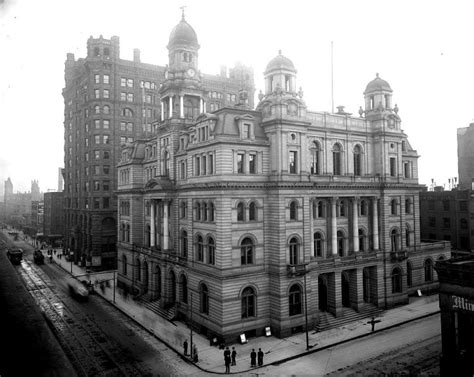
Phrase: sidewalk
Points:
(276, 350)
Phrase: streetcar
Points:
(77, 289)
(15, 255)
(38, 257)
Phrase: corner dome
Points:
(280, 62)
(183, 33)
(377, 85)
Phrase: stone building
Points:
(53, 222)
(456, 301)
(108, 102)
(256, 217)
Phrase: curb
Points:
(274, 363)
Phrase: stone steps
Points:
(154, 306)
(348, 315)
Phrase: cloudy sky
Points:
(424, 49)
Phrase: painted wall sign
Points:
(462, 303)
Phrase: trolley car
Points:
(15, 255)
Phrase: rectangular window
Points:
(96, 170)
(240, 162)
(97, 124)
(293, 160)
(106, 169)
(130, 83)
(246, 131)
(106, 186)
(123, 82)
(106, 124)
(211, 164)
(446, 205)
(203, 162)
(123, 96)
(123, 126)
(96, 203)
(183, 170)
(446, 222)
(97, 155)
(97, 78)
(106, 93)
(198, 165)
(463, 205)
(106, 155)
(105, 203)
(407, 169)
(393, 167)
(106, 139)
(106, 79)
(130, 97)
(97, 139)
(97, 93)
(252, 165)
(96, 186)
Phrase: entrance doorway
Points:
(346, 301)
(322, 293)
(366, 285)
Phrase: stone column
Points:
(162, 111)
(201, 106)
(205, 105)
(375, 223)
(170, 115)
(355, 224)
(152, 223)
(165, 225)
(333, 226)
(181, 106)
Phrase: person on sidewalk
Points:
(185, 347)
(233, 354)
(260, 357)
(253, 357)
(227, 362)
(195, 353)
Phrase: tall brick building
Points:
(248, 210)
(109, 102)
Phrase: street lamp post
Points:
(191, 327)
(306, 309)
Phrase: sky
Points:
(423, 49)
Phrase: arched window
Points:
(124, 265)
(395, 240)
(318, 209)
(184, 244)
(337, 159)
(248, 303)
(252, 211)
(340, 243)
(184, 289)
(246, 251)
(211, 211)
(200, 248)
(294, 210)
(409, 274)
(106, 109)
(166, 170)
(407, 236)
(393, 206)
(318, 244)
(211, 251)
(396, 280)
(428, 270)
(315, 166)
(204, 211)
(294, 251)
(97, 109)
(362, 240)
(198, 211)
(357, 160)
(204, 293)
(341, 208)
(294, 300)
(138, 269)
(240, 212)
(408, 205)
(127, 112)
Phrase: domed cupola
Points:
(183, 35)
(378, 95)
(280, 75)
(281, 96)
(183, 49)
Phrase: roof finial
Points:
(377, 75)
(182, 10)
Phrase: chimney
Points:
(136, 55)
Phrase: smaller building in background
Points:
(466, 157)
(446, 215)
(53, 221)
(456, 301)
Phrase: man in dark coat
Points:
(253, 357)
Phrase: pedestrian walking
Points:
(227, 363)
(253, 357)
(195, 353)
(260, 357)
(233, 355)
(185, 347)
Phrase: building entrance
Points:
(322, 294)
(346, 301)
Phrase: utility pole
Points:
(306, 309)
(191, 327)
